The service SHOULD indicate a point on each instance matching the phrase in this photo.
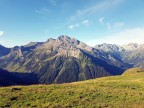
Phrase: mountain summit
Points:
(67, 39)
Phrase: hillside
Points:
(16, 78)
(7, 78)
(133, 71)
(61, 60)
(111, 92)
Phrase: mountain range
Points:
(132, 54)
(67, 59)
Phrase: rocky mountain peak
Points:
(131, 46)
(50, 39)
(31, 44)
(62, 37)
(68, 40)
(109, 47)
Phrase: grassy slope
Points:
(109, 92)
(133, 71)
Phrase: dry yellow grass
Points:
(133, 71)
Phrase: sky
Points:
(90, 21)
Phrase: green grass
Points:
(133, 71)
(109, 92)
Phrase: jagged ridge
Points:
(61, 60)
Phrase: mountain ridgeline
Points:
(64, 60)
(60, 60)
(132, 54)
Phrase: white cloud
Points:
(72, 26)
(135, 35)
(44, 11)
(104, 5)
(111, 26)
(85, 22)
(118, 24)
(1, 33)
(114, 26)
(101, 20)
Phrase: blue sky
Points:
(91, 21)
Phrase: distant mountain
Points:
(135, 57)
(131, 46)
(4, 51)
(112, 49)
(62, 60)
(132, 53)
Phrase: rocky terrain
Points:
(132, 54)
(61, 60)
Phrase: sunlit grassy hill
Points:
(133, 71)
(125, 91)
